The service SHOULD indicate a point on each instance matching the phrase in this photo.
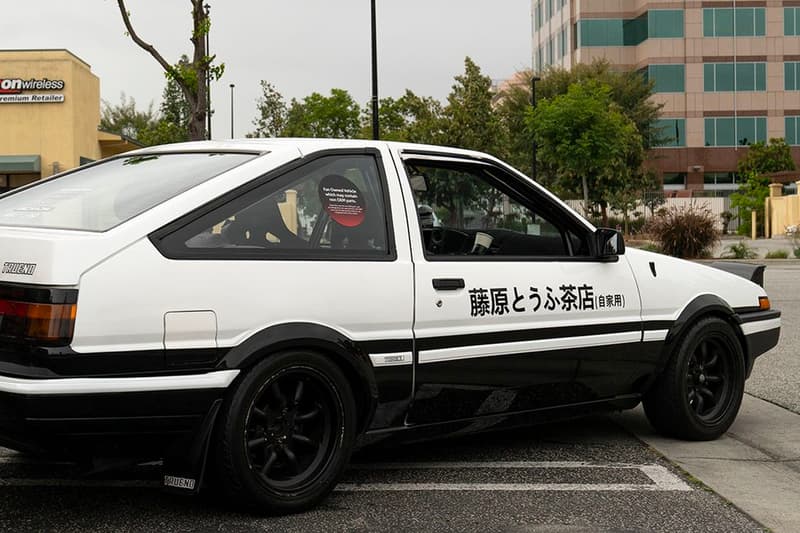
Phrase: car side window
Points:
(470, 210)
(332, 206)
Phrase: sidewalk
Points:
(761, 246)
(755, 466)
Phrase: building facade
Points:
(49, 115)
(727, 72)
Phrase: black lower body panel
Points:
(127, 424)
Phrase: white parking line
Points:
(90, 483)
(23, 460)
(662, 479)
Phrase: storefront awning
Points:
(113, 144)
(20, 164)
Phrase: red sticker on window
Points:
(342, 200)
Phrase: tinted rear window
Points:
(102, 196)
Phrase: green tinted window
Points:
(720, 22)
(670, 132)
(790, 80)
(719, 77)
(745, 21)
(665, 23)
(724, 131)
(612, 32)
(549, 10)
(674, 178)
(538, 15)
(668, 78)
(790, 26)
(634, 31)
(791, 130)
(600, 32)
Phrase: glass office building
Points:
(727, 72)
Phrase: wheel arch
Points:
(705, 305)
(346, 353)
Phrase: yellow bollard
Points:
(753, 219)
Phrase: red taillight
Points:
(38, 322)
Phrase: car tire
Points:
(285, 434)
(698, 395)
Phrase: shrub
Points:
(777, 254)
(635, 224)
(650, 247)
(688, 231)
(797, 253)
(740, 250)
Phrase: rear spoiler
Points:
(754, 273)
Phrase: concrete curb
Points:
(755, 466)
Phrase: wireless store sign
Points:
(19, 91)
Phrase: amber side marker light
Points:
(763, 303)
(51, 324)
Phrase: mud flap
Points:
(185, 465)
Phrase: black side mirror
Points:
(609, 243)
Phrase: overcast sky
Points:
(301, 46)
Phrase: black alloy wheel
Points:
(698, 395)
(290, 428)
(285, 433)
(708, 380)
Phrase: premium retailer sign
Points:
(15, 91)
(50, 113)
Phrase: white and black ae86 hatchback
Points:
(252, 311)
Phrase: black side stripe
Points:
(501, 337)
(386, 346)
(654, 325)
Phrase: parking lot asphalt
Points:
(776, 375)
(586, 475)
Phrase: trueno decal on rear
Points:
(23, 269)
(179, 482)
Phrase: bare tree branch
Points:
(149, 48)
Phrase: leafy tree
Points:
(761, 159)
(272, 112)
(334, 116)
(124, 119)
(588, 141)
(512, 104)
(410, 118)
(628, 89)
(469, 119)
(172, 125)
(190, 76)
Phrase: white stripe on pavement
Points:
(499, 487)
(662, 479)
(90, 483)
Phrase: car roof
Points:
(302, 145)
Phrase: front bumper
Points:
(761, 330)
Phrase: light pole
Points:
(232, 86)
(208, 74)
(375, 125)
(534, 79)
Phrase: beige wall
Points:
(58, 132)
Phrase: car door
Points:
(510, 305)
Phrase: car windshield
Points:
(103, 196)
